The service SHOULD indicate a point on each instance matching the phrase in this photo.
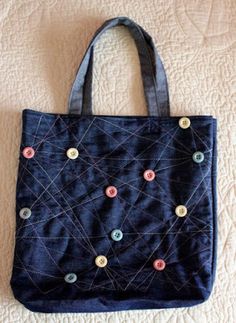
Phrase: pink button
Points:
(149, 175)
(28, 152)
(111, 191)
(159, 264)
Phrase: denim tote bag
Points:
(115, 212)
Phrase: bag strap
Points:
(152, 69)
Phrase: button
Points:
(159, 264)
(70, 278)
(198, 157)
(28, 152)
(101, 261)
(111, 191)
(25, 213)
(116, 235)
(72, 153)
(181, 210)
(184, 123)
(149, 175)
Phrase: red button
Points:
(149, 175)
(28, 152)
(111, 191)
(159, 264)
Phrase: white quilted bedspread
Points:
(41, 45)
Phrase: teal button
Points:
(70, 278)
(116, 235)
(198, 157)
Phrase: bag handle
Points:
(152, 69)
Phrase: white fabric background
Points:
(41, 45)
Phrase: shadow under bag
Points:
(115, 212)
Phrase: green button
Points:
(25, 213)
(116, 235)
(198, 157)
(70, 278)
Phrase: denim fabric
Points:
(72, 218)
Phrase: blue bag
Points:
(115, 212)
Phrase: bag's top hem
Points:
(65, 115)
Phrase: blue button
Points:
(198, 157)
(116, 235)
(70, 278)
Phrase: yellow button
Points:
(184, 123)
(72, 153)
(181, 210)
(101, 261)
